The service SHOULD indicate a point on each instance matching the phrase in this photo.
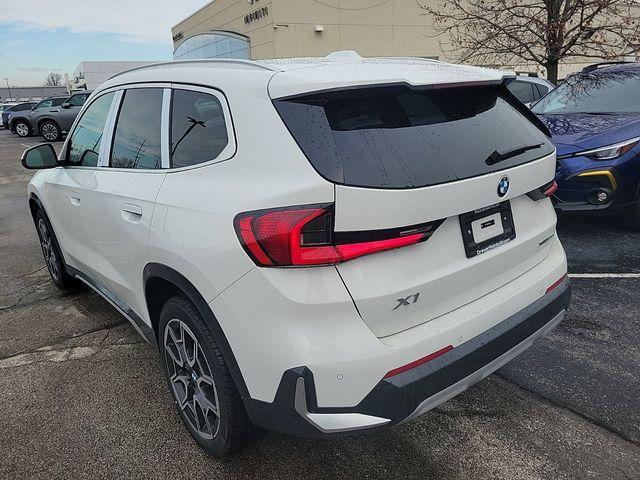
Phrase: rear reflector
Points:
(419, 362)
(556, 283)
(304, 236)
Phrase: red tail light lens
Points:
(545, 191)
(551, 189)
(302, 236)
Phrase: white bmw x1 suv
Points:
(315, 246)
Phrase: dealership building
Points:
(305, 28)
(255, 29)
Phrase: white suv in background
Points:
(316, 246)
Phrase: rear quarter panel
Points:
(192, 229)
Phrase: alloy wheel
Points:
(191, 379)
(49, 131)
(48, 250)
(22, 130)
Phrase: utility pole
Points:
(8, 87)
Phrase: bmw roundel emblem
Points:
(503, 186)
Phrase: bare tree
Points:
(545, 32)
(53, 80)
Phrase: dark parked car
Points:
(51, 122)
(530, 88)
(594, 118)
(21, 122)
(14, 109)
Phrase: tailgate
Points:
(384, 286)
(424, 161)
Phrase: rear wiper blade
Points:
(497, 157)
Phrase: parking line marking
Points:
(604, 275)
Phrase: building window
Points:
(213, 45)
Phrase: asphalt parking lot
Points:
(83, 397)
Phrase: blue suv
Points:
(594, 119)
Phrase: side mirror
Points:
(66, 105)
(40, 157)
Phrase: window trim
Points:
(229, 151)
(105, 142)
(165, 123)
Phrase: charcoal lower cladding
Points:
(397, 397)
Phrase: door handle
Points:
(131, 213)
(134, 209)
(74, 199)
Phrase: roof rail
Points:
(408, 58)
(230, 61)
(595, 66)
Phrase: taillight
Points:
(544, 191)
(303, 236)
(550, 189)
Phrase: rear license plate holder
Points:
(470, 220)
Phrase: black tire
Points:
(52, 255)
(22, 128)
(50, 131)
(231, 430)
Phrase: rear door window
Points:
(403, 137)
(542, 91)
(198, 128)
(523, 90)
(136, 142)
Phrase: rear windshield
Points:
(402, 137)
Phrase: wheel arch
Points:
(162, 282)
(47, 119)
(35, 206)
(13, 120)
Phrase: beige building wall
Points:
(371, 27)
(298, 28)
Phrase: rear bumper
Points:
(404, 396)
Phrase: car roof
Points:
(291, 76)
(538, 80)
(612, 67)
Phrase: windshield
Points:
(596, 92)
